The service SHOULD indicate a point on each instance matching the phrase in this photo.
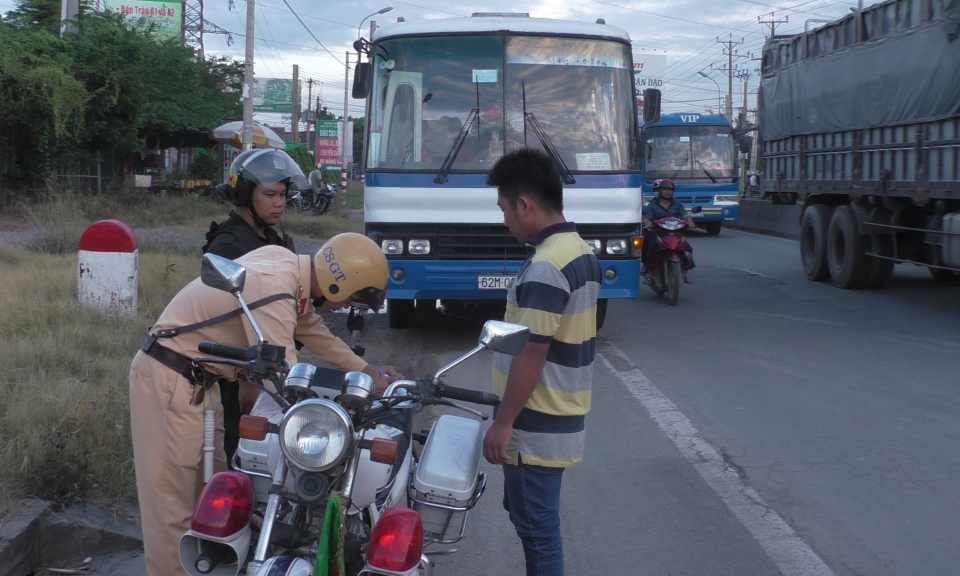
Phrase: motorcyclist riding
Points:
(258, 184)
(664, 205)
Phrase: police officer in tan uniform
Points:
(168, 396)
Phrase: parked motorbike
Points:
(670, 257)
(328, 193)
(295, 200)
(323, 455)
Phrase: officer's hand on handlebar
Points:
(382, 376)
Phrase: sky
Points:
(691, 33)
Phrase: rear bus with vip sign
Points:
(699, 153)
(445, 100)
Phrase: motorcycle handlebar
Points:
(465, 395)
(224, 351)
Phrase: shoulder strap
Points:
(171, 332)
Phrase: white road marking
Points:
(787, 550)
(752, 273)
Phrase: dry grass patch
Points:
(307, 225)
(64, 410)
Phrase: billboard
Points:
(648, 71)
(273, 95)
(166, 16)
(330, 138)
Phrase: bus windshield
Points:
(693, 153)
(579, 91)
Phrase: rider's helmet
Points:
(663, 183)
(350, 263)
(264, 166)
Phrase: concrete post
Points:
(108, 260)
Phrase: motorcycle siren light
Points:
(225, 505)
(254, 427)
(397, 541)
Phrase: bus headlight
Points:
(418, 247)
(725, 200)
(617, 246)
(392, 247)
(595, 245)
(316, 435)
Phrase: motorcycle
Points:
(325, 470)
(295, 200)
(328, 193)
(670, 257)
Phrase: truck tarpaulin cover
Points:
(905, 77)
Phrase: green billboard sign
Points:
(167, 17)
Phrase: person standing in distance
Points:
(538, 430)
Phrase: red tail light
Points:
(225, 505)
(397, 541)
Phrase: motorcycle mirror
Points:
(223, 274)
(504, 337)
(696, 209)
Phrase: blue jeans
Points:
(532, 496)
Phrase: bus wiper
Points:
(461, 138)
(455, 148)
(545, 140)
(714, 180)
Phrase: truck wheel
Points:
(878, 269)
(401, 313)
(601, 312)
(712, 228)
(846, 251)
(813, 242)
(426, 307)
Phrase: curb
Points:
(764, 217)
(35, 535)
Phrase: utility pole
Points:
(343, 148)
(729, 70)
(309, 101)
(247, 134)
(772, 22)
(295, 108)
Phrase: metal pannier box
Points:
(448, 481)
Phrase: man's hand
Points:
(495, 442)
(689, 222)
(647, 223)
(382, 376)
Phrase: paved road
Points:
(765, 425)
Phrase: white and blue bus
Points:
(446, 99)
(699, 153)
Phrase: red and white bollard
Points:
(108, 258)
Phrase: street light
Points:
(719, 94)
(381, 11)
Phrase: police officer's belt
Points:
(194, 373)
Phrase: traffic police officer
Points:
(166, 402)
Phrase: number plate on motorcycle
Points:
(495, 282)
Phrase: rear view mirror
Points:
(696, 210)
(651, 106)
(504, 337)
(361, 80)
(222, 274)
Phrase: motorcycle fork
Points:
(269, 517)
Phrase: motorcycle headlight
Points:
(316, 435)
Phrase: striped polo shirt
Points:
(555, 295)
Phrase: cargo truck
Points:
(860, 119)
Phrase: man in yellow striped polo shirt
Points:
(545, 390)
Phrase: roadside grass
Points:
(326, 226)
(64, 411)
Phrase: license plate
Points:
(495, 282)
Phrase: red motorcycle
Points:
(671, 257)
